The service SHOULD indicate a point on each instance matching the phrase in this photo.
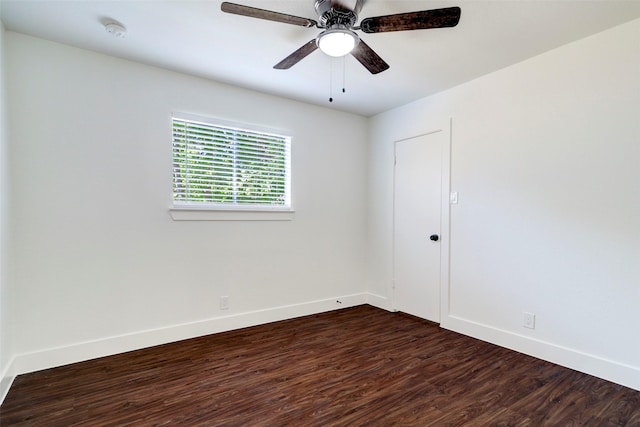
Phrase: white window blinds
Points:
(220, 166)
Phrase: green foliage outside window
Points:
(226, 166)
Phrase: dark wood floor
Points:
(353, 367)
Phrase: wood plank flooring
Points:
(355, 367)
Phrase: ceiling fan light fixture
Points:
(337, 41)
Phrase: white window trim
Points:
(212, 212)
(209, 214)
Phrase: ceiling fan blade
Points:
(422, 20)
(297, 56)
(254, 12)
(367, 57)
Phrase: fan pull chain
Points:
(344, 73)
(331, 80)
(344, 76)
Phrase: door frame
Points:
(444, 125)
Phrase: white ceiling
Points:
(195, 37)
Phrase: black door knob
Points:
(434, 237)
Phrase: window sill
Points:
(200, 214)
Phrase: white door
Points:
(417, 224)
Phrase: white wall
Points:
(101, 267)
(6, 376)
(546, 160)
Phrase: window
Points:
(222, 166)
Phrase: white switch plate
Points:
(453, 198)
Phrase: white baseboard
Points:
(379, 301)
(616, 372)
(53, 357)
(6, 379)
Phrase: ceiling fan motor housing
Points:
(338, 12)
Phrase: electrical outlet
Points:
(224, 303)
(529, 320)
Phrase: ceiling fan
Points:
(338, 20)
